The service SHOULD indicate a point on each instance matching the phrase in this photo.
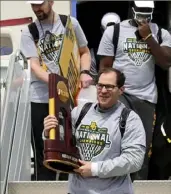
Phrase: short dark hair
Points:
(120, 76)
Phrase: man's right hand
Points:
(50, 122)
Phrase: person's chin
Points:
(104, 101)
(40, 16)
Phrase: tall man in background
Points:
(137, 52)
(48, 24)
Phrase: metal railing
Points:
(16, 87)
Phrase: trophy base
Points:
(60, 166)
(61, 162)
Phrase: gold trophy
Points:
(60, 152)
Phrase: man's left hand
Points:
(85, 80)
(85, 169)
(144, 29)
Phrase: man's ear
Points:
(121, 90)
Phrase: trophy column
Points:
(60, 153)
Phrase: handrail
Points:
(18, 55)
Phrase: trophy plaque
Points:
(60, 152)
(69, 61)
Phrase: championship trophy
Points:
(60, 152)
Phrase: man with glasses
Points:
(107, 156)
(41, 44)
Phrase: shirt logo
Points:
(49, 47)
(92, 140)
(138, 52)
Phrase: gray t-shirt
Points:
(113, 159)
(134, 59)
(39, 89)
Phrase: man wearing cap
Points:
(42, 56)
(108, 19)
(137, 52)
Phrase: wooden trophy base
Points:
(60, 161)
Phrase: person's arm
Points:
(82, 44)
(106, 49)
(162, 53)
(85, 56)
(29, 50)
(133, 148)
(38, 71)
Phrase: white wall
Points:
(19, 9)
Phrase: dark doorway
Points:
(90, 13)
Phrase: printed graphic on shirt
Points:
(49, 46)
(138, 52)
(92, 140)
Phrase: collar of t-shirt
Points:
(111, 109)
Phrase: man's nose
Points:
(103, 89)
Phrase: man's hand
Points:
(50, 122)
(85, 80)
(85, 169)
(144, 29)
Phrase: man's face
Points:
(43, 10)
(107, 90)
(141, 14)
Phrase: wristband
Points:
(86, 72)
(147, 37)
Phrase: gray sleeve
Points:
(27, 44)
(93, 68)
(133, 148)
(166, 37)
(106, 47)
(81, 38)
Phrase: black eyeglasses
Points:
(108, 87)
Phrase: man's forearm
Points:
(126, 163)
(42, 75)
(38, 71)
(163, 58)
(85, 61)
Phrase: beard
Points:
(41, 15)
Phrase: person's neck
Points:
(133, 23)
(107, 109)
(51, 18)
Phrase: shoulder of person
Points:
(132, 115)
(74, 21)
(25, 29)
(164, 32)
(134, 120)
(77, 110)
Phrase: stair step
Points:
(60, 187)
